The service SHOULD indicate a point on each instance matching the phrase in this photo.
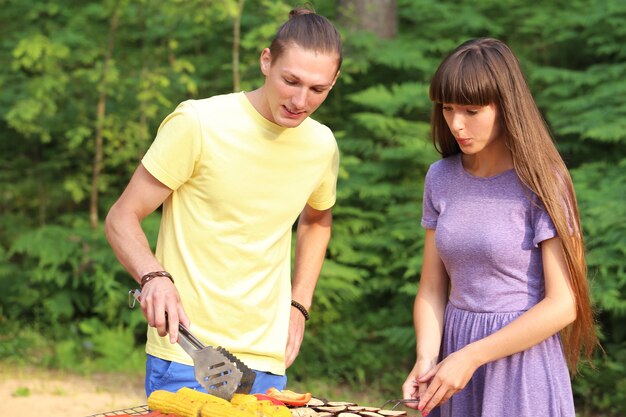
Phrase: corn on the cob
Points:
(222, 410)
(190, 403)
(203, 397)
(171, 403)
(264, 408)
(243, 399)
(271, 410)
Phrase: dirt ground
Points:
(28, 392)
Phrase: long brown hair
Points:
(310, 31)
(485, 71)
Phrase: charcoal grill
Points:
(134, 411)
(142, 410)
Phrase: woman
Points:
(504, 270)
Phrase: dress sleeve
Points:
(430, 214)
(173, 155)
(543, 227)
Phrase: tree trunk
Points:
(100, 119)
(236, 43)
(376, 16)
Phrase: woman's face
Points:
(296, 83)
(475, 128)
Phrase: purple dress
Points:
(488, 234)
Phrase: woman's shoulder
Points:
(445, 167)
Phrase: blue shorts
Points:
(172, 376)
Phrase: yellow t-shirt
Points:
(239, 183)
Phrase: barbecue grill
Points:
(143, 409)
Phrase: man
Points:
(233, 173)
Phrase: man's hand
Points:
(295, 336)
(312, 238)
(160, 303)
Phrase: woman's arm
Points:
(549, 316)
(428, 312)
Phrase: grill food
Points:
(171, 403)
(317, 407)
(190, 403)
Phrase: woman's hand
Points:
(413, 389)
(446, 379)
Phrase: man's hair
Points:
(310, 31)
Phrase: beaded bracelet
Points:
(151, 275)
(301, 308)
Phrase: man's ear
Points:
(266, 61)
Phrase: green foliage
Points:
(69, 270)
(21, 392)
(601, 188)
(606, 392)
(108, 347)
(63, 302)
(359, 349)
(66, 306)
(21, 344)
(602, 192)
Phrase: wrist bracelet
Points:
(151, 275)
(301, 308)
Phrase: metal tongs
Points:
(216, 369)
(400, 402)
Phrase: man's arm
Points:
(312, 238)
(142, 196)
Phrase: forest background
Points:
(84, 85)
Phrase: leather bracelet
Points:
(151, 275)
(301, 308)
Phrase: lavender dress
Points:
(488, 234)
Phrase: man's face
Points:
(296, 83)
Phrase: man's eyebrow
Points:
(296, 78)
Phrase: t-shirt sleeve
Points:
(430, 214)
(325, 194)
(175, 151)
(543, 227)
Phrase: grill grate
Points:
(135, 411)
(143, 410)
